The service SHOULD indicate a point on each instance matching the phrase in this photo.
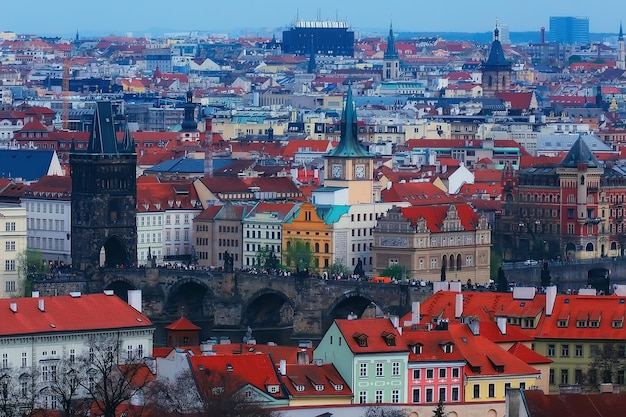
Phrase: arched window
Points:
(444, 260)
(458, 262)
(589, 247)
(317, 247)
(490, 81)
(451, 262)
(582, 180)
(325, 247)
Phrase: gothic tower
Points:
(496, 70)
(621, 52)
(391, 59)
(104, 197)
(349, 165)
(189, 128)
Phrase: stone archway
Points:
(113, 253)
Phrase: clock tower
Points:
(349, 165)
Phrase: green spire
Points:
(391, 52)
(620, 37)
(349, 146)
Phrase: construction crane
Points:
(66, 92)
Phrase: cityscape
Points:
(313, 217)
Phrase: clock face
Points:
(359, 171)
(337, 171)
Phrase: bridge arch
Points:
(268, 308)
(120, 287)
(351, 302)
(191, 298)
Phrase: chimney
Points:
(458, 305)
(283, 367)
(502, 324)
(302, 357)
(41, 305)
(134, 299)
(35, 294)
(415, 312)
(208, 147)
(13, 307)
(550, 299)
(474, 326)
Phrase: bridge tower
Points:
(104, 197)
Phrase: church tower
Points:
(104, 197)
(349, 165)
(189, 128)
(496, 71)
(621, 52)
(391, 59)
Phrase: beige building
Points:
(431, 241)
(12, 244)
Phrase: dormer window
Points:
(361, 339)
(319, 387)
(338, 387)
(417, 348)
(300, 388)
(448, 347)
(594, 323)
(561, 323)
(390, 338)
(272, 389)
(617, 324)
(581, 323)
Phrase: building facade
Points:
(12, 245)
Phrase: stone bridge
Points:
(236, 300)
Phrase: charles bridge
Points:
(237, 300)
(307, 305)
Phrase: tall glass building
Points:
(569, 29)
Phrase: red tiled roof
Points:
(528, 355)
(574, 405)
(435, 215)
(182, 324)
(303, 380)
(519, 101)
(432, 346)
(65, 313)
(418, 193)
(374, 330)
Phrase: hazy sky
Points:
(262, 16)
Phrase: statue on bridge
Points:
(228, 262)
(358, 270)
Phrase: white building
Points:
(48, 209)
(12, 244)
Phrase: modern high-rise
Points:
(322, 38)
(569, 29)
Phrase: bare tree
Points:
(205, 394)
(110, 377)
(18, 392)
(64, 387)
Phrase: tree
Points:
(64, 386)
(18, 392)
(608, 363)
(31, 267)
(380, 411)
(338, 268)
(266, 258)
(502, 284)
(398, 272)
(299, 255)
(440, 410)
(206, 393)
(110, 377)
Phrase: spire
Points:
(128, 144)
(620, 37)
(102, 138)
(349, 145)
(391, 52)
(580, 154)
(189, 121)
(312, 64)
(496, 54)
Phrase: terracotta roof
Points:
(315, 381)
(182, 324)
(66, 313)
(432, 343)
(435, 215)
(379, 334)
(519, 101)
(573, 405)
(528, 355)
(418, 193)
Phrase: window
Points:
(9, 246)
(24, 359)
(455, 372)
(395, 396)
(430, 373)
(9, 227)
(9, 265)
(395, 369)
(378, 396)
(551, 380)
(362, 397)
(363, 370)
(5, 360)
(10, 286)
(379, 369)
(416, 395)
(455, 394)
(476, 391)
(565, 350)
(492, 390)
(564, 376)
(578, 351)
(430, 395)
(551, 350)
(578, 376)
(417, 374)
(442, 372)
(522, 386)
(442, 394)
(72, 355)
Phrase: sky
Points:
(260, 17)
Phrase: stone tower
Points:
(391, 59)
(496, 70)
(104, 197)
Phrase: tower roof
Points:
(189, 123)
(102, 137)
(349, 146)
(391, 52)
(580, 154)
(496, 54)
(620, 37)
